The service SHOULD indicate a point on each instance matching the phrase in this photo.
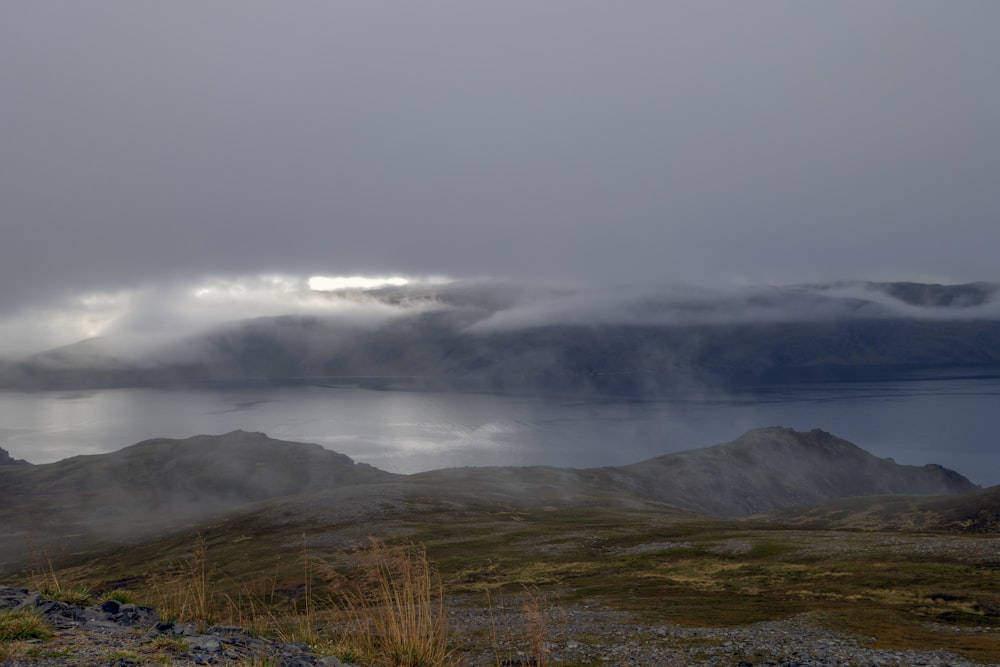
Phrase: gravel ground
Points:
(575, 634)
(125, 635)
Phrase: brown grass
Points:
(395, 607)
(905, 590)
(384, 605)
(185, 591)
(22, 624)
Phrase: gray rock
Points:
(7, 460)
(29, 601)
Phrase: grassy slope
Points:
(976, 512)
(663, 565)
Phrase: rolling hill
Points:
(163, 484)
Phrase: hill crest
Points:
(772, 468)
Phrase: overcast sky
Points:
(563, 140)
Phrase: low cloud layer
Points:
(674, 305)
(137, 321)
(150, 318)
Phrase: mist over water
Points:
(949, 422)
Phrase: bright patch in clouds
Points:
(333, 283)
(249, 287)
(145, 317)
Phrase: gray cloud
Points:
(146, 318)
(163, 320)
(704, 142)
(680, 305)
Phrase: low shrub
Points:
(21, 624)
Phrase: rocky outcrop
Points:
(85, 635)
(7, 460)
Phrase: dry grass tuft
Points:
(536, 616)
(385, 606)
(45, 579)
(523, 634)
(394, 607)
(22, 624)
(185, 593)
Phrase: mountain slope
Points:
(770, 468)
(161, 483)
(166, 483)
(204, 471)
(764, 470)
(974, 512)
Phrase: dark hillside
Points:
(976, 512)
(645, 344)
(770, 468)
(161, 483)
(167, 484)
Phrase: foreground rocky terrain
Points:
(112, 633)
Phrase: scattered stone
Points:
(590, 635)
(579, 634)
(86, 635)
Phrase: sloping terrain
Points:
(159, 484)
(977, 512)
(215, 471)
(761, 471)
(164, 483)
(771, 468)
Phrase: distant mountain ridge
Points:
(165, 483)
(773, 468)
(200, 474)
(762, 471)
(500, 339)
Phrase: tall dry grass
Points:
(44, 578)
(537, 615)
(379, 605)
(386, 606)
(523, 633)
(394, 606)
(186, 593)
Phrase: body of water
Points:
(951, 422)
